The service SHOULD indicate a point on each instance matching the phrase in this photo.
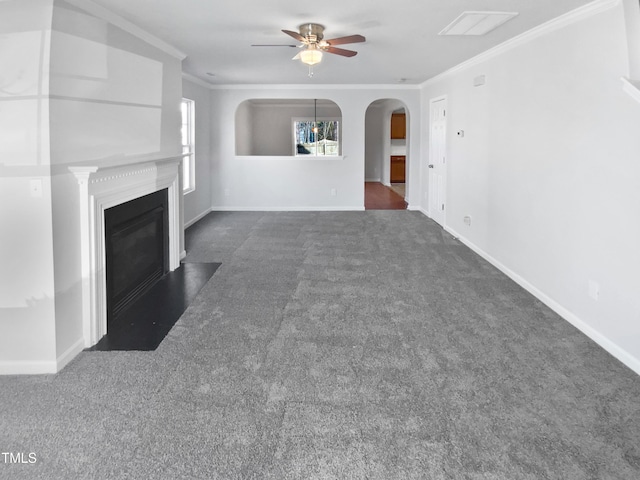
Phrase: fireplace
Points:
(137, 249)
(105, 191)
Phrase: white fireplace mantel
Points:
(105, 186)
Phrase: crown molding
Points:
(328, 86)
(108, 16)
(569, 18)
(193, 79)
(297, 86)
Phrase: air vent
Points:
(477, 23)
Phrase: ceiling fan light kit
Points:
(311, 56)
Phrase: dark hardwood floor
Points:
(379, 197)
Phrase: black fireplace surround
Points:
(136, 248)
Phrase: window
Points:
(188, 142)
(319, 137)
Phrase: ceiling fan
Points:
(311, 36)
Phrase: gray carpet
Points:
(351, 345)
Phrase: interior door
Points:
(437, 159)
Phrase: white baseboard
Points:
(372, 180)
(287, 209)
(27, 367)
(69, 354)
(625, 357)
(197, 218)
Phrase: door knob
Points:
(431, 165)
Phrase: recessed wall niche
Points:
(264, 127)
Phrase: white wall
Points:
(116, 93)
(81, 90)
(548, 170)
(374, 142)
(27, 311)
(198, 202)
(285, 182)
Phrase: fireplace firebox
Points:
(136, 249)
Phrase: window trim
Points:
(188, 184)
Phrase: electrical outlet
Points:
(334, 192)
(227, 192)
(479, 81)
(467, 220)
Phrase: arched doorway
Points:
(386, 155)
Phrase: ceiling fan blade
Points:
(295, 35)
(345, 40)
(340, 51)
(297, 57)
(268, 45)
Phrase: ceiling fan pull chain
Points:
(310, 71)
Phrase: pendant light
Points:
(315, 118)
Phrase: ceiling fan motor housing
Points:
(311, 30)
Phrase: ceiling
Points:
(402, 47)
